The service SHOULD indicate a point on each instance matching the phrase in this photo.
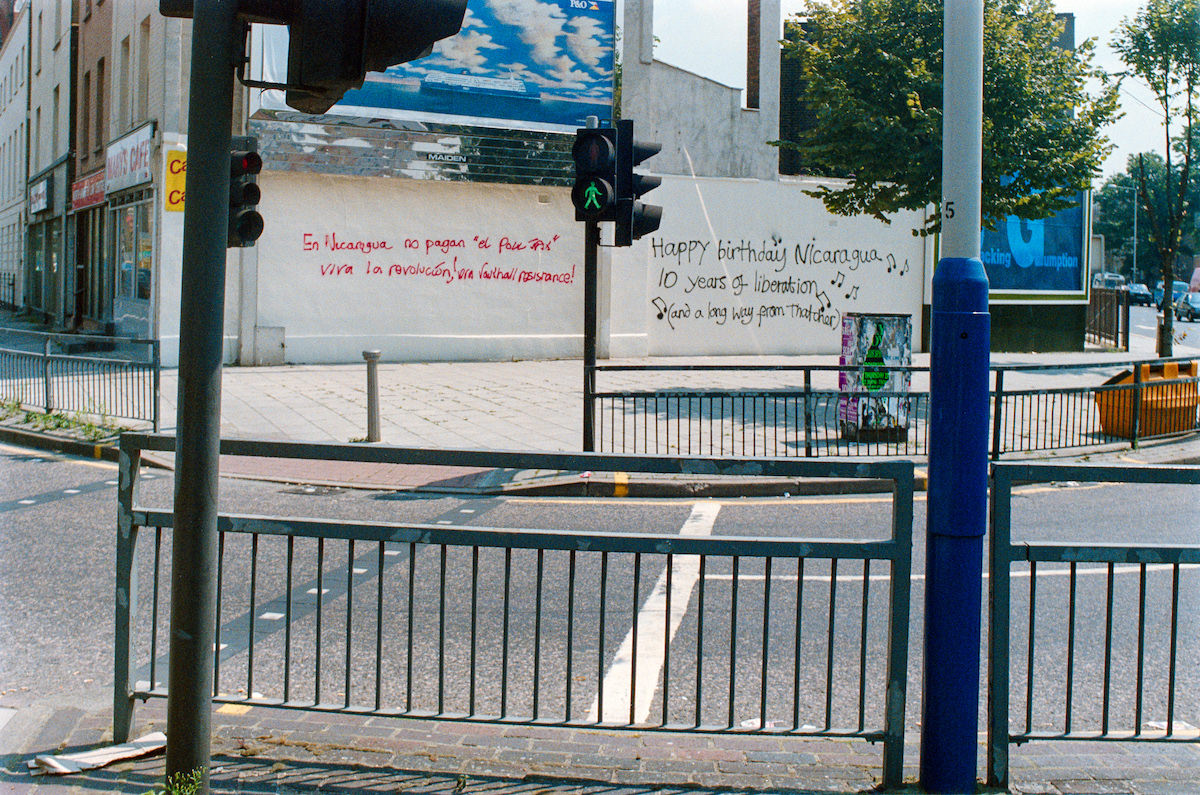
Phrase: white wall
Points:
(349, 264)
(756, 267)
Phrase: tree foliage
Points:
(873, 76)
(1161, 46)
(1112, 216)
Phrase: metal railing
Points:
(1107, 320)
(805, 420)
(81, 374)
(1148, 633)
(8, 290)
(793, 636)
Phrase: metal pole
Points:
(591, 246)
(194, 555)
(958, 426)
(372, 358)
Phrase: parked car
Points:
(1139, 295)
(1178, 289)
(1108, 281)
(1187, 307)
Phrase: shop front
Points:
(130, 232)
(43, 275)
(93, 293)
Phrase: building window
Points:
(123, 110)
(144, 69)
(85, 128)
(100, 136)
(54, 115)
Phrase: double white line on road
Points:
(621, 678)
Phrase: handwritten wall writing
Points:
(441, 259)
(760, 283)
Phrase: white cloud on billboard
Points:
(540, 24)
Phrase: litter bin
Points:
(1167, 404)
(873, 401)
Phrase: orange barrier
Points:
(1168, 405)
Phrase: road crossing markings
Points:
(652, 625)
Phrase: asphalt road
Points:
(56, 605)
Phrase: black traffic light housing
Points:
(334, 43)
(634, 219)
(595, 155)
(245, 222)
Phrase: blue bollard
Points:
(957, 521)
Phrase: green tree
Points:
(1160, 45)
(873, 76)
(1113, 208)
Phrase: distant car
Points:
(1139, 295)
(1187, 307)
(1178, 288)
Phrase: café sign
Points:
(128, 160)
(39, 196)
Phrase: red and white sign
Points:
(128, 160)
(39, 196)
(88, 192)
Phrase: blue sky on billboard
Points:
(525, 64)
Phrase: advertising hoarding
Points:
(1038, 259)
(524, 64)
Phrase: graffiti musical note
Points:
(853, 293)
(823, 297)
(839, 280)
(661, 306)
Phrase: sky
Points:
(708, 37)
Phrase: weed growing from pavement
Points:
(181, 784)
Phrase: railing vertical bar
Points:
(251, 617)
(633, 632)
(409, 640)
(1141, 650)
(1108, 637)
(474, 674)
(700, 589)
(1173, 650)
(504, 633)
(379, 564)
(1030, 648)
(833, 568)
(537, 636)
(1067, 713)
(349, 619)
(600, 639)
(733, 629)
(320, 606)
(441, 662)
(798, 645)
(570, 632)
(287, 618)
(862, 645)
(667, 620)
(217, 632)
(766, 645)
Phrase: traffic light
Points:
(334, 43)
(634, 219)
(595, 154)
(245, 222)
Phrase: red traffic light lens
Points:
(592, 152)
(245, 163)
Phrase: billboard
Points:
(1038, 259)
(523, 64)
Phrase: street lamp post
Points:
(1135, 234)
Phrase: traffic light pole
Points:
(591, 248)
(198, 428)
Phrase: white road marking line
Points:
(621, 677)
(27, 502)
(271, 616)
(70, 491)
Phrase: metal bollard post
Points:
(372, 358)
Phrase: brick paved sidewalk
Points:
(275, 750)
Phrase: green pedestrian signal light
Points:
(595, 155)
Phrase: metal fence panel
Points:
(748, 635)
(1151, 637)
